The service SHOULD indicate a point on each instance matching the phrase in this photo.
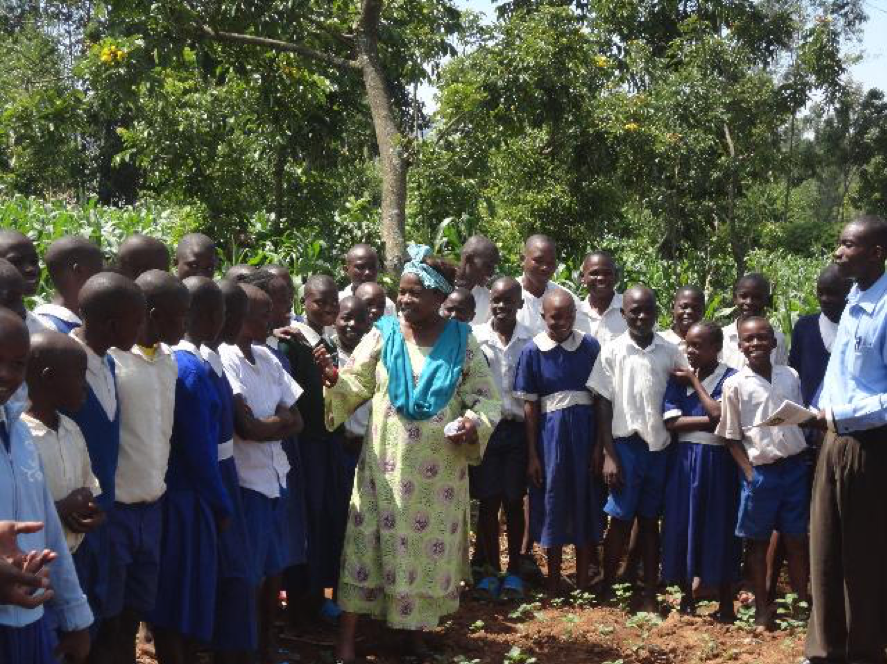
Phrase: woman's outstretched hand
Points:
(466, 434)
(328, 370)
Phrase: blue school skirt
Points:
(31, 644)
(294, 522)
(567, 508)
(327, 494)
(264, 518)
(701, 504)
(235, 620)
(186, 589)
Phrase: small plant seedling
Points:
(644, 621)
(526, 611)
(558, 602)
(462, 659)
(671, 598)
(614, 661)
(518, 656)
(791, 613)
(476, 626)
(570, 619)
(745, 618)
(605, 630)
(582, 598)
(622, 596)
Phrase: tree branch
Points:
(277, 45)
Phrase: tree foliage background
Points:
(695, 139)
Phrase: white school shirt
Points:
(146, 389)
(58, 311)
(503, 363)
(265, 385)
(748, 398)
(828, 330)
(634, 379)
(733, 357)
(390, 309)
(674, 338)
(481, 305)
(604, 327)
(36, 324)
(530, 315)
(65, 461)
(99, 378)
(356, 425)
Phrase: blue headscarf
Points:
(443, 366)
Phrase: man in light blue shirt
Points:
(24, 632)
(848, 520)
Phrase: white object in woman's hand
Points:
(461, 431)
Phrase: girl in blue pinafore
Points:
(702, 489)
(565, 507)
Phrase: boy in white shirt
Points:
(500, 481)
(265, 412)
(146, 381)
(775, 478)
(630, 377)
(362, 266)
(751, 297)
(57, 380)
(600, 314)
(478, 261)
(687, 309)
(539, 263)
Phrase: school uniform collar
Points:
(485, 333)
(658, 340)
(213, 359)
(60, 312)
(188, 347)
(545, 343)
(312, 337)
(867, 299)
(711, 382)
(161, 351)
(615, 303)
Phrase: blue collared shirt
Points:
(24, 496)
(855, 383)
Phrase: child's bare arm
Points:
(612, 470)
(740, 456)
(250, 427)
(690, 423)
(711, 406)
(531, 422)
(292, 420)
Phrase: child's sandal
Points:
(488, 589)
(512, 588)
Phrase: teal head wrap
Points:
(430, 277)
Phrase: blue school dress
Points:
(567, 508)
(701, 496)
(808, 356)
(195, 500)
(93, 557)
(235, 611)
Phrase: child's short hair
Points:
(106, 294)
(319, 282)
(755, 319)
(66, 252)
(50, 349)
(712, 329)
(756, 278)
(260, 278)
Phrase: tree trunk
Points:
(392, 160)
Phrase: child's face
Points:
(539, 262)
(257, 322)
(751, 298)
(23, 256)
(375, 302)
(69, 380)
(321, 306)
(639, 311)
(832, 296)
(197, 262)
(170, 319)
(126, 325)
(459, 307)
(757, 341)
(478, 268)
(14, 349)
(281, 302)
(687, 310)
(702, 351)
(504, 304)
(235, 313)
(12, 297)
(599, 276)
(361, 267)
(351, 324)
(559, 316)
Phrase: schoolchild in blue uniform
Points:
(775, 478)
(234, 631)
(702, 489)
(630, 378)
(24, 496)
(560, 427)
(70, 261)
(196, 502)
(112, 308)
(265, 412)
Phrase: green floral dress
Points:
(406, 547)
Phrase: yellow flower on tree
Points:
(632, 126)
(601, 61)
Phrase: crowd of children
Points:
(169, 433)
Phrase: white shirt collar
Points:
(711, 382)
(312, 337)
(615, 304)
(657, 341)
(214, 359)
(485, 333)
(545, 343)
(188, 347)
(828, 330)
(60, 312)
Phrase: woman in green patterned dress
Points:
(406, 547)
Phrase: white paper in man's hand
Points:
(787, 414)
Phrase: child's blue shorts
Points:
(777, 498)
(32, 643)
(643, 480)
(264, 525)
(135, 532)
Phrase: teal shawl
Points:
(440, 375)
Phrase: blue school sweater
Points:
(102, 440)
(24, 496)
(808, 355)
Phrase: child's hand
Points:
(684, 376)
(290, 334)
(612, 472)
(328, 370)
(534, 472)
(87, 521)
(467, 433)
(77, 501)
(73, 647)
(20, 582)
(597, 461)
